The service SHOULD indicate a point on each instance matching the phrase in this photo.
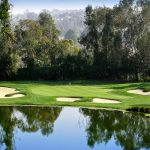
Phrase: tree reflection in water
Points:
(130, 131)
(32, 119)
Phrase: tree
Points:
(115, 44)
(67, 62)
(28, 34)
(108, 40)
(37, 41)
(116, 55)
(143, 45)
(48, 26)
(95, 37)
(50, 33)
(113, 36)
(8, 53)
(70, 35)
(90, 40)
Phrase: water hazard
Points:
(45, 128)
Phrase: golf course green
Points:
(46, 93)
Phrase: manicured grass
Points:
(45, 93)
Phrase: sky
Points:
(19, 6)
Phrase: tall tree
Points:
(50, 32)
(8, 55)
(90, 38)
(107, 40)
(113, 38)
(47, 23)
(28, 34)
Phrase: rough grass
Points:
(45, 93)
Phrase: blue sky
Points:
(19, 6)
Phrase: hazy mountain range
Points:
(64, 19)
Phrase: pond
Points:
(45, 128)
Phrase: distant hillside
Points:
(65, 20)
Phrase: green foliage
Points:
(118, 40)
(70, 35)
(114, 45)
(8, 54)
(42, 53)
(48, 26)
(37, 41)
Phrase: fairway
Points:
(46, 93)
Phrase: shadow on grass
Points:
(66, 82)
(134, 86)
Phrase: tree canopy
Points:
(115, 45)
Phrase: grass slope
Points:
(45, 93)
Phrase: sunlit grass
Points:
(45, 93)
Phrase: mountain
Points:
(65, 20)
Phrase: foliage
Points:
(119, 40)
(8, 53)
(114, 45)
(70, 35)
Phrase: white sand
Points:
(5, 91)
(105, 101)
(17, 95)
(140, 92)
(63, 99)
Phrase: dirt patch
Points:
(140, 92)
(63, 99)
(4, 91)
(105, 101)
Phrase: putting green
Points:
(77, 91)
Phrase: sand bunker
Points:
(4, 91)
(63, 99)
(105, 101)
(140, 92)
(17, 95)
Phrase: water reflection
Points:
(28, 119)
(130, 131)
(102, 129)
